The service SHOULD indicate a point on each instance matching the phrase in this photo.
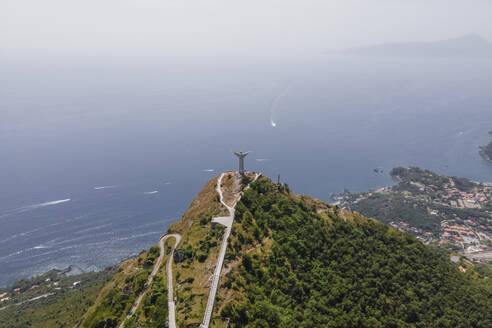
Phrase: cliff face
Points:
(293, 261)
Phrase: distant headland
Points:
(486, 151)
(467, 46)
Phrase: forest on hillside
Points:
(340, 269)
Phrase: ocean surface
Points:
(98, 158)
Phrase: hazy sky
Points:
(141, 27)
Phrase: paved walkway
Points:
(227, 222)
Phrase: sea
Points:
(99, 157)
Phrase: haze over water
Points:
(99, 158)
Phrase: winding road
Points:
(157, 265)
(170, 298)
(224, 220)
(29, 300)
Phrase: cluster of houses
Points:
(458, 229)
(456, 198)
(424, 236)
(462, 199)
(470, 241)
(4, 298)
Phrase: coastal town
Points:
(451, 212)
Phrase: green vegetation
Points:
(309, 267)
(198, 249)
(153, 312)
(195, 259)
(117, 297)
(63, 309)
(390, 207)
(428, 178)
(152, 255)
(292, 261)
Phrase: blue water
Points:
(161, 125)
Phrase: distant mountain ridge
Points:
(467, 46)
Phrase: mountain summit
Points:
(290, 261)
(250, 253)
(467, 46)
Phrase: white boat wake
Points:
(55, 202)
(104, 187)
(275, 104)
(33, 207)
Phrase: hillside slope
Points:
(117, 297)
(295, 262)
(193, 260)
